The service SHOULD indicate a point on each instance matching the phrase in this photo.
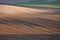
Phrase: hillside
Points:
(39, 3)
(30, 1)
(46, 1)
(23, 20)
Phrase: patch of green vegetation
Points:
(44, 1)
(40, 5)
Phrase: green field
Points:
(40, 3)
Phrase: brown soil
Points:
(23, 20)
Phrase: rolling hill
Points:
(23, 20)
(30, 20)
(40, 3)
(46, 1)
(25, 23)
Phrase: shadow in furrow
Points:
(40, 22)
(11, 21)
(49, 21)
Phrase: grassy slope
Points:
(40, 3)
(44, 1)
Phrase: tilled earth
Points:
(22, 23)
